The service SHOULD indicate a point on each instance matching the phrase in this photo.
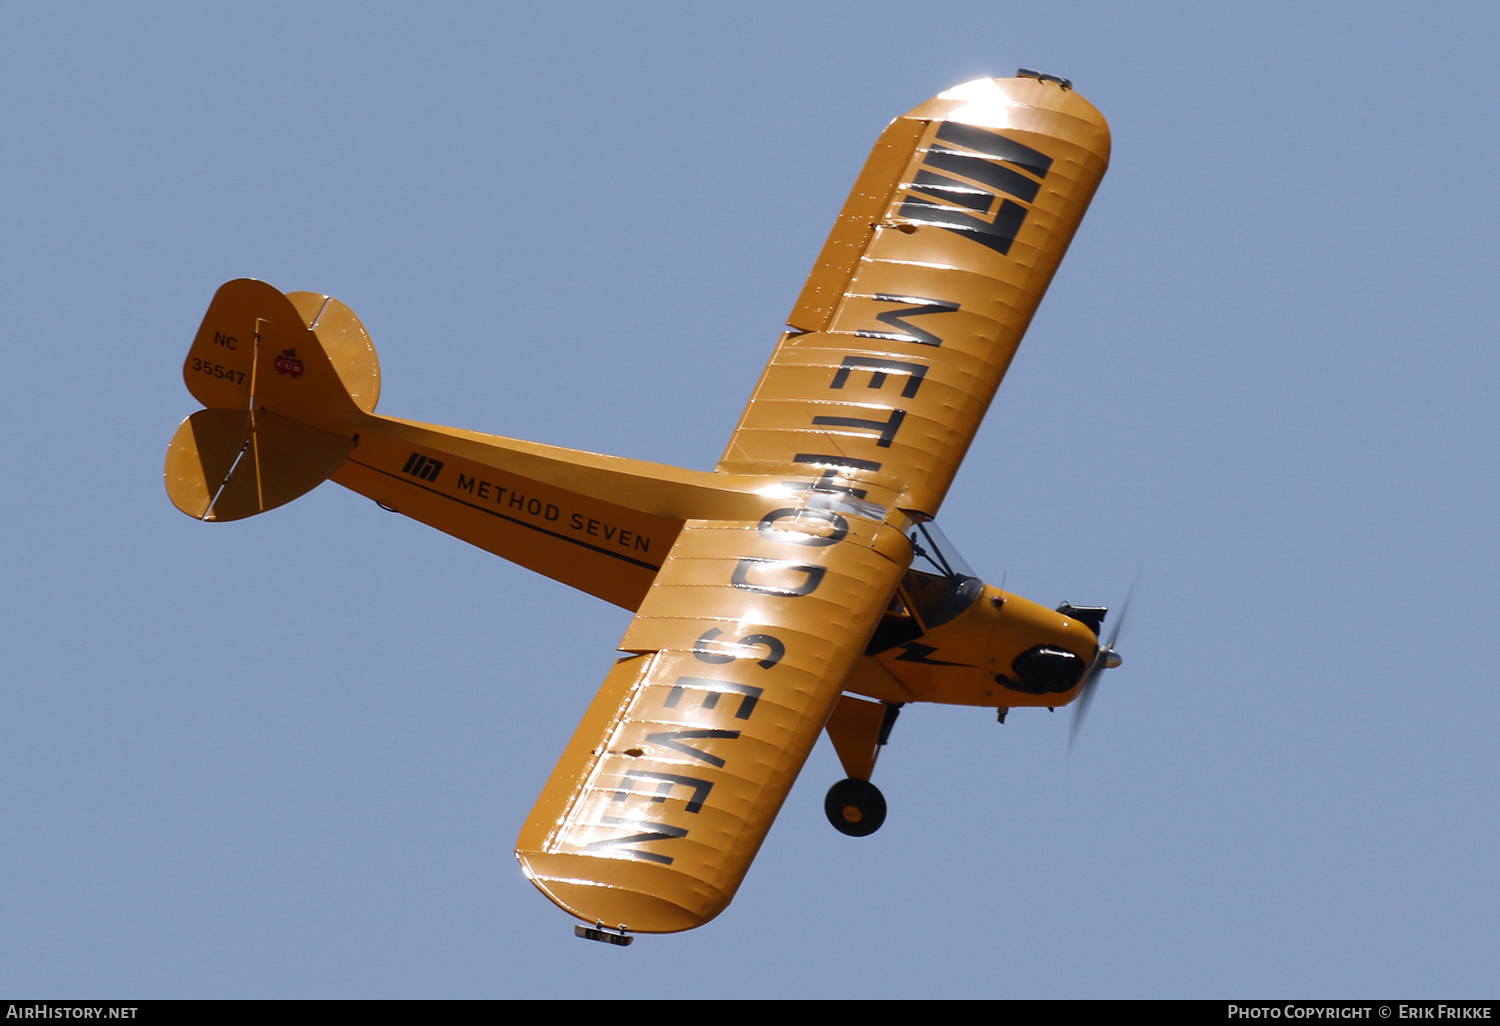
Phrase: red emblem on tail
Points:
(287, 363)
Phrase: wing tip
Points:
(617, 893)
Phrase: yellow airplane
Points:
(799, 586)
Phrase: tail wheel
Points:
(855, 807)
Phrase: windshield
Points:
(935, 554)
(936, 589)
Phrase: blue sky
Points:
(288, 757)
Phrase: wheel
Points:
(855, 807)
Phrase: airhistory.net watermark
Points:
(47, 1010)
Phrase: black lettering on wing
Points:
(997, 234)
(768, 530)
(703, 651)
(915, 372)
(813, 576)
(1001, 179)
(658, 832)
(995, 146)
(664, 784)
(715, 688)
(966, 207)
(885, 429)
(905, 330)
(676, 740)
(955, 191)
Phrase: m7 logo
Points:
(424, 467)
(957, 189)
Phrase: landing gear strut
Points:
(855, 807)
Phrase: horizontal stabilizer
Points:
(220, 467)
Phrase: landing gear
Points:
(855, 807)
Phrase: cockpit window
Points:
(939, 599)
(936, 589)
(934, 553)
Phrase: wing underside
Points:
(922, 293)
(750, 630)
(671, 782)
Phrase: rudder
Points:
(285, 379)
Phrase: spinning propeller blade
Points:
(1106, 659)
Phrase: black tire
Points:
(855, 807)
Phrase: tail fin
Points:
(285, 379)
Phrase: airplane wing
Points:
(923, 291)
(684, 758)
(751, 628)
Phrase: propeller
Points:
(1106, 659)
